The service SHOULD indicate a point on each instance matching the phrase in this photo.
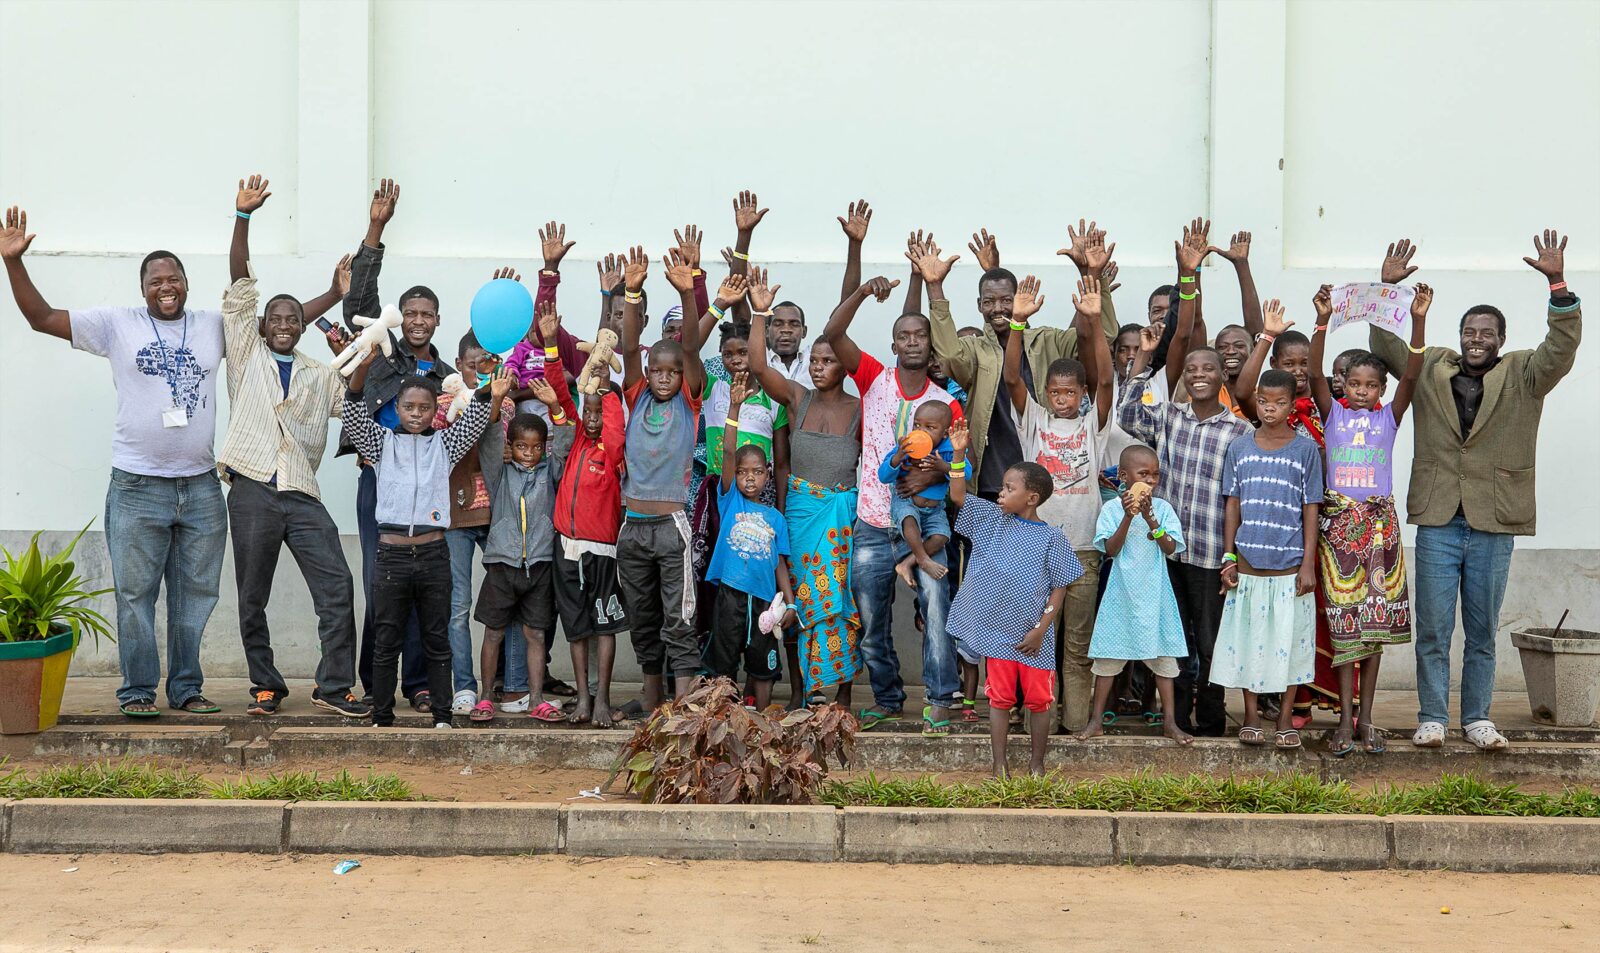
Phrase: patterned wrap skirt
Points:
(1362, 567)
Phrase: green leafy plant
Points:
(40, 594)
(710, 749)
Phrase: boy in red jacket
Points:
(588, 515)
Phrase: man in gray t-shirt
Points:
(165, 517)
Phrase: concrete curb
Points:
(815, 834)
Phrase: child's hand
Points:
(958, 436)
(1087, 300)
(1230, 576)
(610, 271)
(507, 272)
(689, 244)
(1272, 320)
(761, 296)
(549, 322)
(1305, 581)
(500, 384)
(740, 391)
(1027, 301)
(747, 213)
(732, 290)
(553, 245)
(1421, 303)
(789, 618)
(1323, 302)
(635, 268)
(679, 274)
(543, 392)
(1033, 641)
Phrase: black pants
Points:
(657, 577)
(413, 667)
(263, 520)
(411, 578)
(1199, 593)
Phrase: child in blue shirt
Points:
(749, 566)
(921, 520)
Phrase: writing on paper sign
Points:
(1373, 302)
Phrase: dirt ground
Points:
(217, 902)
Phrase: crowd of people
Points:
(1095, 518)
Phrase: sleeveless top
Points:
(824, 459)
(660, 446)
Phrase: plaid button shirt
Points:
(1191, 451)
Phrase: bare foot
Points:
(932, 567)
(580, 714)
(1092, 730)
(1037, 770)
(1178, 735)
(903, 570)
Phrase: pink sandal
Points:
(547, 712)
(482, 711)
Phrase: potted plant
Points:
(1562, 670)
(43, 614)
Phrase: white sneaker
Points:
(1430, 734)
(463, 702)
(443, 724)
(520, 705)
(1483, 734)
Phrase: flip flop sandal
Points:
(1338, 751)
(1155, 719)
(969, 713)
(140, 710)
(422, 701)
(931, 728)
(560, 689)
(547, 712)
(1287, 740)
(1372, 741)
(200, 705)
(1254, 737)
(482, 711)
(871, 717)
(1108, 718)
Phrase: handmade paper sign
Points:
(1373, 302)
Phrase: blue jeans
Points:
(873, 581)
(1456, 559)
(172, 528)
(463, 542)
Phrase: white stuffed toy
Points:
(602, 355)
(374, 334)
(460, 396)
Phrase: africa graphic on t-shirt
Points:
(160, 359)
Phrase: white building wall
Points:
(1328, 129)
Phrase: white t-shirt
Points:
(886, 416)
(156, 365)
(1071, 449)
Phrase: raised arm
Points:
(913, 303)
(836, 331)
(1274, 324)
(959, 441)
(739, 391)
(364, 270)
(1408, 379)
(1190, 253)
(1087, 249)
(252, 195)
(778, 387)
(634, 270)
(610, 269)
(1096, 356)
(959, 355)
(14, 242)
(729, 293)
(1553, 358)
(1024, 304)
(1320, 391)
(855, 231)
(1238, 252)
(747, 214)
(338, 288)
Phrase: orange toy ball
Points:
(920, 444)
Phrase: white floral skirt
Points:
(1268, 638)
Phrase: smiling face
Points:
(913, 342)
(1063, 394)
(1296, 359)
(415, 407)
(750, 472)
(1234, 346)
(826, 371)
(1481, 341)
(281, 327)
(1202, 374)
(786, 330)
(1363, 386)
(166, 290)
(419, 318)
(995, 298)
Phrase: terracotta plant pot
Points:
(32, 677)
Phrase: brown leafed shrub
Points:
(710, 749)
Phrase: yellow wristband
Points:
(1416, 350)
(741, 256)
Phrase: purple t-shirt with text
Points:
(1360, 449)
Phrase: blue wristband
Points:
(243, 215)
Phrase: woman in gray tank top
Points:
(824, 450)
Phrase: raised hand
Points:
(500, 384)
(1096, 253)
(761, 296)
(1552, 256)
(688, 244)
(1027, 301)
(1192, 250)
(1108, 277)
(929, 264)
(731, 290)
(959, 438)
(610, 270)
(507, 272)
(1397, 266)
(855, 221)
(14, 237)
(747, 213)
(341, 277)
(542, 392)
(1272, 320)
(679, 274)
(985, 249)
(1422, 302)
(1078, 249)
(1150, 338)
(740, 390)
(549, 322)
(914, 242)
(880, 287)
(384, 198)
(252, 194)
(635, 268)
(728, 259)
(1323, 302)
(1087, 300)
(1238, 248)
(554, 245)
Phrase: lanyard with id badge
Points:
(173, 415)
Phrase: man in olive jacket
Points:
(1476, 416)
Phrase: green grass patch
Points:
(126, 779)
(1287, 793)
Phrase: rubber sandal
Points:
(1338, 751)
(931, 728)
(1155, 719)
(140, 710)
(1287, 740)
(969, 713)
(1254, 737)
(1108, 718)
(547, 712)
(1372, 740)
(482, 711)
(200, 705)
(422, 701)
(555, 686)
(871, 717)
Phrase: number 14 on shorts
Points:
(610, 611)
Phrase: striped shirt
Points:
(270, 435)
(1273, 487)
(1191, 452)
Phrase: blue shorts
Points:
(931, 520)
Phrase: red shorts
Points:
(1038, 685)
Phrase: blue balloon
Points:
(502, 312)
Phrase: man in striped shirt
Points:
(281, 402)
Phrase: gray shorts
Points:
(1164, 666)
